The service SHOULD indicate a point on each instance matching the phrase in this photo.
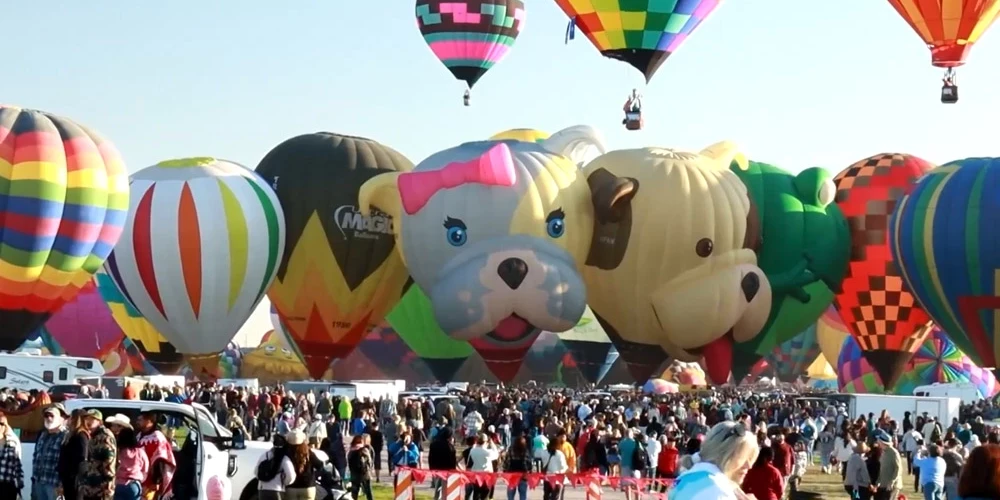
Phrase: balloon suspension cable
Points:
(949, 76)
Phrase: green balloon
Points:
(804, 250)
(413, 319)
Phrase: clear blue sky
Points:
(797, 83)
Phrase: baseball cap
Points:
(93, 413)
(56, 408)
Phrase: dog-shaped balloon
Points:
(495, 233)
(673, 261)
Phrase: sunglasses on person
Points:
(736, 430)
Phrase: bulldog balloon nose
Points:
(513, 271)
(750, 286)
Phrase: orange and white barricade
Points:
(404, 485)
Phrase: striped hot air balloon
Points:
(875, 304)
(157, 350)
(520, 134)
(943, 237)
(200, 248)
(64, 197)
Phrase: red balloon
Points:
(874, 302)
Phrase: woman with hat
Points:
(133, 463)
(308, 467)
(857, 480)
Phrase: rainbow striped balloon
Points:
(200, 248)
(470, 36)
(64, 199)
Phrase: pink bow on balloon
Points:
(493, 168)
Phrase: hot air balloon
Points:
(386, 350)
(84, 326)
(521, 134)
(830, 334)
(591, 348)
(273, 361)
(198, 275)
(642, 34)
(941, 236)
(340, 273)
(949, 28)
(470, 43)
(65, 201)
(875, 304)
(505, 263)
(792, 357)
(413, 319)
(156, 350)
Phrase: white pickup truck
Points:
(216, 457)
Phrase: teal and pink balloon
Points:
(470, 36)
(943, 236)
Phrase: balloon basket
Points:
(949, 94)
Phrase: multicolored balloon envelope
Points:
(792, 357)
(85, 326)
(413, 319)
(937, 360)
(520, 134)
(943, 237)
(155, 349)
(830, 334)
(641, 33)
(340, 273)
(65, 200)
(201, 246)
(949, 27)
(470, 36)
(875, 304)
(274, 360)
(590, 347)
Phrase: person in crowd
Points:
(727, 453)
(890, 473)
(404, 452)
(481, 458)
(73, 453)
(932, 469)
(518, 461)
(764, 481)
(857, 479)
(441, 456)
(96, 480)
(307, 466)
(595, 454)
(45, 482)
(336, 449)
(160, 452)
(11, 469)
(274, 471)
(980, 479)
(953, 461)
(827, 441)
(843, 450)
(133, 464)
(553, 463)
(361, 463)
(377, 444)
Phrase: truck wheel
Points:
(250, 491)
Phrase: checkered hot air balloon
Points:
(875, 303)
(64, 196)
(644, 33)
(937, 360)
(470, 36)
(943, 237)
(202, 244)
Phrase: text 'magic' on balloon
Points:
(340, 274)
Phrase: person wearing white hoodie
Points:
(842, 451)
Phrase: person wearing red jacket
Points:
(784, 456)
(764, 481)
(666, 462)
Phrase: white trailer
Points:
(944, 408)
(25, 371)
(966, 391)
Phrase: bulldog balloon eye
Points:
(704, 247)
(555, 223)
(455, 232)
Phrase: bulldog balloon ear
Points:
(726, 152)
(611, 195)
(381, 192)
(580, 143)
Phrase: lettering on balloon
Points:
(372, 227)
(342, 324)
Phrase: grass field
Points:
(821, 486)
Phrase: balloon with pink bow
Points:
(495, 233)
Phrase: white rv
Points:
(26, 371)
(967, 391)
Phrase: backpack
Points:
(808, 431)
(640, 459)
(268, 469)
